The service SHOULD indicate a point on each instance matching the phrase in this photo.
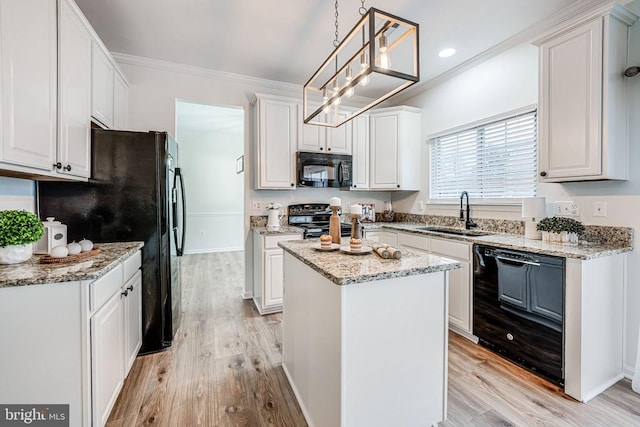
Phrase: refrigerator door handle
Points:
(178, 175)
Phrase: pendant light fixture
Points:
(382, 49)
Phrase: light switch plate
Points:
(566, 209)
(599, 208)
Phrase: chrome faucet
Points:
(468, 224)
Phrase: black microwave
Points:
(324, 170)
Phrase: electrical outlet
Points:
(566, 208)
(256, 206)
(599, 208)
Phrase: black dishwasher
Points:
(518, 308)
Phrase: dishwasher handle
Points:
(519, 261)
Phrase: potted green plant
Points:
(18, 231)
(557, 229)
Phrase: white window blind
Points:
(496, 160)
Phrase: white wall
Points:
(17, 194)
(509, 81)
(156, 85)
(211, 138)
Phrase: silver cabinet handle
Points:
(503, 258)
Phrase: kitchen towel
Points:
(635, 384)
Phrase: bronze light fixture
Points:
(377, 59)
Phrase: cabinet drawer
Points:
(131, 265)
(103, 288)
(413, 241)
(457, 250)
(271, 242)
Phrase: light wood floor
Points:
(224, 370)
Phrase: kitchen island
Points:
(365, 338)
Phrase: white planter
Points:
(14, 254)
(562, 238)
(273, 220)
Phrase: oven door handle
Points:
(340, 174)
(518, 261)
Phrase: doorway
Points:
(211, 153)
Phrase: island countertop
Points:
(345, 269)
(32, 272)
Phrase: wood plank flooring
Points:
(224, 369)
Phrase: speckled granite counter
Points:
(284, 229)
(344, 269)
(518, 242)
(33, 273)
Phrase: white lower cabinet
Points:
(381, 236)
(268, 271)
(75, 343)
(107, 361)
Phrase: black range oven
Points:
(314, 219)
(518, 308)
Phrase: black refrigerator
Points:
(135, 193)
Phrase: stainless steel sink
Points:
(456, 231)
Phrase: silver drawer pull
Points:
(503, 258)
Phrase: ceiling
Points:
(287, 40)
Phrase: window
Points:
(496, 160)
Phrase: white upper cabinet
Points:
(48, 52)
(102, 76)
(74, 88)
(583, 102)
(360, 126)
(28, 74)
(395, 149)
(277, 140)
(323, 139)
(120, 102)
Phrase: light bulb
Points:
(336, 89)
(350, 91)
(385, 61)
(363, 68)
(325, 98)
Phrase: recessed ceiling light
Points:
(445, 53)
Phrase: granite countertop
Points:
(32, 272)
(284, 229)
(518, 242)
(345, 269)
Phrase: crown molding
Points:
(569, 14)
(159, 64)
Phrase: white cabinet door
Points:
(360, 127)
(132, 319)
(413, 241)
(460, 297)
(74, 134)
(273, 276)
(339, 140)
(107, 361)
(28, 74)
(571, 79)
(384, 142)
(583, 106)
(313, 138)
(277, 142)
(120, 103)
(102, 73)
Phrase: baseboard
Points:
(463, 333)
(247, 295)
(628, 372)
(210, 251)
(599, 389)
(303, 408)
